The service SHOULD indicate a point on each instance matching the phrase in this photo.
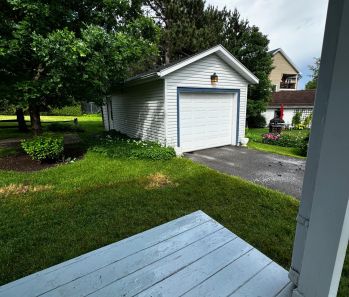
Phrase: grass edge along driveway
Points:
(72, 209)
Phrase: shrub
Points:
(307, 120)
(64, 127)
(117, 145)
(284, 140)
(44, 148)
(297, 119)
(303, 147)
(74, 110)
(271, 138)
(257, 121)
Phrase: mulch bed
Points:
(24, 163)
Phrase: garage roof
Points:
(224, 54)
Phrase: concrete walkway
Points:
(281, 173)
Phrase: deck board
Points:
(190, 256)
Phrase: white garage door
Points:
(207, 120)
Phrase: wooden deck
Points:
(191, 256)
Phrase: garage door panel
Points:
(207, 120)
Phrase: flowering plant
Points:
(270, 137)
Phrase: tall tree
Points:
(312, 84)
(189, 27)
(55, 52)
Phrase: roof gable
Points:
(287, 58)
(219, 50)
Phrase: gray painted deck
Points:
(190, 256)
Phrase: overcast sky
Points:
(297, 26)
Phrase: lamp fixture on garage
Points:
(214, 78)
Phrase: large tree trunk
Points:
(20, 120)
(35, 121)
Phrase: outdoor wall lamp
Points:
(214, 78)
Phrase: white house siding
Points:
(288, 114)
(138, 111)
(197, 75)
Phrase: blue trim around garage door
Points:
(207, 90)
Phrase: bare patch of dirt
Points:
(22, 163)
(17, 189)
(158, 180)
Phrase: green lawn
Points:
(71, 209)
(91, 124)
(255, 136)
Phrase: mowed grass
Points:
(255, 136)
(275, 149)
(50, 216)
(91, 124)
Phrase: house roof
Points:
(281, 51)
(302, 98)
(224, 54)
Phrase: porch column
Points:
(323, 219)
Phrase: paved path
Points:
(281, 173)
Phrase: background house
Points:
(293, 101)
(285, 74)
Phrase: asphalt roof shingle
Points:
(293, 98)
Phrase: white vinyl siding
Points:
(138, 111)
(197, 75)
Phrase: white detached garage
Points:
(196, 103)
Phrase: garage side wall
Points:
(197, 75)
(138, 111)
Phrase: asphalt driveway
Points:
(281, 173)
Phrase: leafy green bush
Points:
(257, 121)
(74, 110)
(297, 119)
(64, 127)
(117, 145)
(303, 147)
(307, 120)
(284, 140)
(44, 148)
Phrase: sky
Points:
(297, 26)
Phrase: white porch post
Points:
(323, 221)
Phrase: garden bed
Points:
(290, 142)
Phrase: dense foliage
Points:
(297, 119)
(189, 27)
(54, 53)
(72, 110)
(298, 141)
(257, 121)
(44, 148)
(116, 145)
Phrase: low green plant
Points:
(297, 119)
(44, 148)
(74, 110)
(64, 127)
(117, 145)
(307, 120)
(303, 147)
